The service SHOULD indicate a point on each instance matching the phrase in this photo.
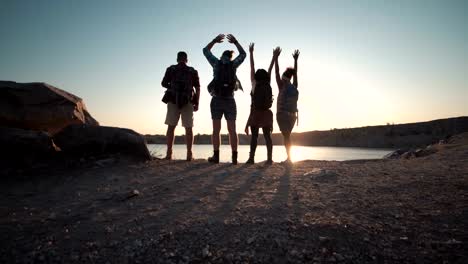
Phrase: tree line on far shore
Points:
(384, 136)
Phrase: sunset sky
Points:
(361, 63)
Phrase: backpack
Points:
(262, 98)
(290, 97)
(225, 80)
(181, 85)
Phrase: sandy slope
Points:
(397, 211)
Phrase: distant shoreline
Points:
(247, 144)
(384, 136)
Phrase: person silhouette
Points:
(286, 112)
(182, 97)
(260, 114)
(222, 88)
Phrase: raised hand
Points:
(231, 38)
(219, 38)
(276, 52)
(251, 47)
(296, 54)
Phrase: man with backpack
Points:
(222, 89)
(182, 100)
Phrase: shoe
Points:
(251, 159)
(269, 162)
(168, 155)
(234, 157)
(189, 156)
(215, 157)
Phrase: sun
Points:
(298, 153)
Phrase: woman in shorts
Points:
(286, 112)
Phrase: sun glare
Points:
(298, 154)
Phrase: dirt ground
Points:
(381, 211)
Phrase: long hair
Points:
(289, 72)
(261, 76)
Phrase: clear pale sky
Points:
(362, 62)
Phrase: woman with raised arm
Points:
(260, 113)
(286, 112)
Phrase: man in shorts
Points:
(182, 97)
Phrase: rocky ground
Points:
(396, 211)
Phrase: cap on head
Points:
(228, 54)
(181, 56)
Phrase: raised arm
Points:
(252, 64)
(270, 68)
(241, 57)
(207, 50)
(295, 56)
(217, 39)
(276, 53)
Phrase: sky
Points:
(362, 62)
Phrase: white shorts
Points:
(174, 113)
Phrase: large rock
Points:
(24, 147)
(86, 141)
(40, 106)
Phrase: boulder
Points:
(24, 148)
(412, 153)
(408, 155)
(96, 141)
(429, 150)
(40, 106)
(395, 154)
(461, 138)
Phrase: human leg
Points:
(269, 144)
(215, 138)
(286, 123)
(233, 139)
(230, 113)
(169, 141)
(216, 115)
(287, 143)
(187, 122)
(253, 145)
(172, 118)
(189, 142)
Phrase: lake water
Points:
(279, 153)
